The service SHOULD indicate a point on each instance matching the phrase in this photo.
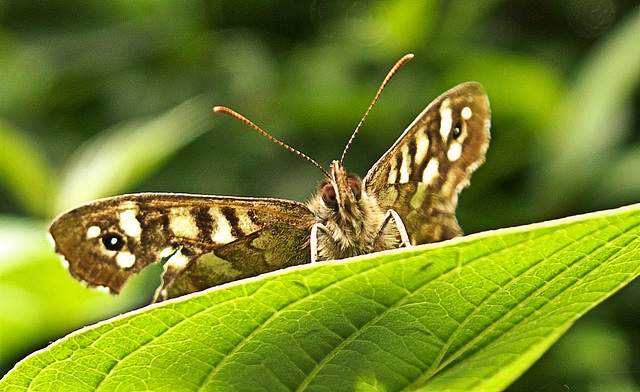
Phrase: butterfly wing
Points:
(107, 241)
(274, 247)
(421, 175)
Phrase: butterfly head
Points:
(341, 191)
(342, 205)
(347, 217)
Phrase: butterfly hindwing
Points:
(106, 242)
(421, 175)
(274, 247)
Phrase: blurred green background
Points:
(102, 98)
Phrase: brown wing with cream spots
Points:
(421, 175)
(107, 241)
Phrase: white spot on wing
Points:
(182, 223)
(422, 147)
(166, 252)
(129, 224)
(102, 289)
(455, 151)
(222, 229)
(431, 171)
(404, 167)
(466, 113)
(125, 259)
(64, 261)
(178, 262)
(445, 119)
(393, 175)
(245, 222)
(93, 232)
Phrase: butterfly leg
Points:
(313, 242)
(390, 216)
(322, 245)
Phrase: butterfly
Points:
(407, 198)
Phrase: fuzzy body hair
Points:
(356, 225)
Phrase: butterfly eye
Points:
(329, 196)
(355, 185)
(113, 241)
(457, 130)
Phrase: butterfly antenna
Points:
(391, 72)
(233, 113)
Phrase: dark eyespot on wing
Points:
(113, 241)
(457, 130)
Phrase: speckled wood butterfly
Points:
(408, 197)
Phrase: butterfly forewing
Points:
(421, 175)
(108, 241)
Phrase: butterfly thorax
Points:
(348, 218)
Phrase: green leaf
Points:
(40, 300)
(468, 314)
(586, 144)
(24, 170)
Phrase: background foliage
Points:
(103, 98)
